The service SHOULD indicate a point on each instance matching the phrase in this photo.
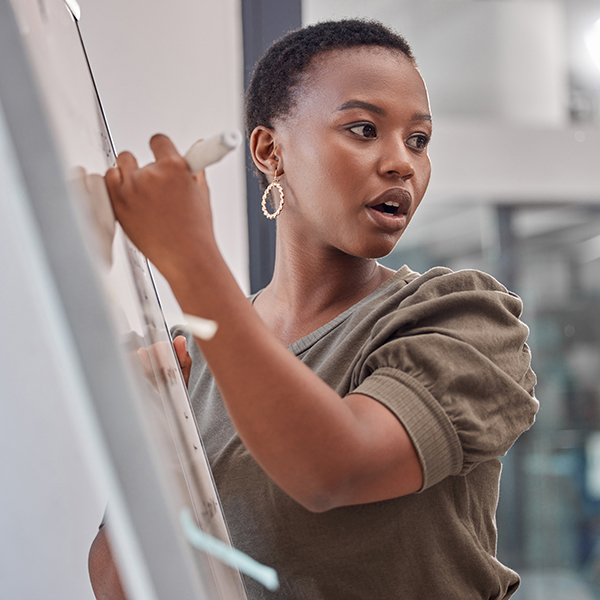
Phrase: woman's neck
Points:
(311, 287)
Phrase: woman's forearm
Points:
(319, 448)
(322, 450)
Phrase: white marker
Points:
(205, 153)
(198, 157)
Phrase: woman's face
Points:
(354, 151)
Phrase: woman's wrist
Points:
(202, 281)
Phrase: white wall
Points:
(175, 67)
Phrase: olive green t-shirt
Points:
(445, 352)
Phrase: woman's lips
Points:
(388, 222)
(395, 195)
(390, 208)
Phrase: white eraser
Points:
(204, 329)
(205, 153)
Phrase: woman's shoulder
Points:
(448, 292)
(408, 291)
(445, 280)
(442, 281)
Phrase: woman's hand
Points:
(158, 358)
(163, 208)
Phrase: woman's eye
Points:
(366, 130)
(418, 141)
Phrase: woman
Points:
(358, 413)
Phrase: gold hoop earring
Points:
(275, 183)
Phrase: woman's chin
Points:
(380, 249)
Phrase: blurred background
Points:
(514, 89)
(516, 182)
(515, 94)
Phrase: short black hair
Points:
(279, 71)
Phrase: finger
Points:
(144, 357)
(162, 147)
(180, 345)
(185, 360)
(127, 164)
(113, 178)
(200, 177)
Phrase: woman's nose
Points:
(396, 161)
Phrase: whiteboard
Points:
(140, 400)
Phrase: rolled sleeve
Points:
(426, 423)
(452, 364)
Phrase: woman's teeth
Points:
(389, 207)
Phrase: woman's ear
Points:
(263, 149)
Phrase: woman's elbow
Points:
(324, 493)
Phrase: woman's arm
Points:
(104, 576)
(323, 450)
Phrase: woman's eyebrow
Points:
(378, 110)
(421, 117)
(360, 104)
